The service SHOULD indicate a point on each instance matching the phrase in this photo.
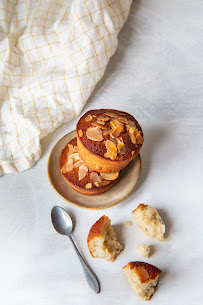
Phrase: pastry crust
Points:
(72, 177)
(102, 241)
(96, 230)
(119, 129)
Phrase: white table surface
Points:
(156, 75)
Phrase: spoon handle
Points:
(89, 274)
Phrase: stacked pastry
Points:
(107, 140)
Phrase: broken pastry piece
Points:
(144, 250)
(149, 221)
(102, 241)
(143, 278)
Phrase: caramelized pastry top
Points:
(111, 134)
(145, 272)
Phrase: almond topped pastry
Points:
(108, 139)
(79, 176)
(143, 278)
(102, 241)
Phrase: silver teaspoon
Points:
(63, 225)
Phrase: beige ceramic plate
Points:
(126, 184)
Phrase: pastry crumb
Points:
(144, 250)
(128, 223)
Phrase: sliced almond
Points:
(70, 150)
(75, 149)
(102, 183)
(115, 133)
(131, 130)
(111, 114)
(133, 152)
(131, 123)
(88, 118)
(106, 126)
(109, 176)
(121, 148)
(123, 120)
(64, 168)
(114, 140)
(95, 177)
(88, 185)
(133, 138)
(75, 156)
(106, 132)
(80, 133)
(110, 146)
(83, 169)
(128, 127)
(68, 166)
(107, 155)
(136, 132)
(103, 118)
(98, 124)
(138, 136)
(78, 164)
(112, 155)
(115, 123)
(94, 134)
(101, 122)
(132, 135)
(139, 139)
(119, 140)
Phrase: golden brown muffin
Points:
(143, 278)
(79, 176)
(108, 139)
(102, 241)
(149, 221)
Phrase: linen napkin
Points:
(52, 54)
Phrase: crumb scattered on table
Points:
(128, 223)
(144, 250)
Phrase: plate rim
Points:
(83, 207)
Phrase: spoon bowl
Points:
(61, 221)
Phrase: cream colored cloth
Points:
(52, 54)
